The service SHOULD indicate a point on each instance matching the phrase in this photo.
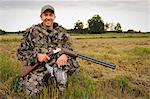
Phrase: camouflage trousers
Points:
(34, 82)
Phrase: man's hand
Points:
(62, 60)
(42, 57)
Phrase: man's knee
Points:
(33, 83)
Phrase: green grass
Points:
(106, 37)
(7, 68)
(141, 51)
(10, 40)
(8, 75)
(122, 82)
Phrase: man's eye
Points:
(46, 14)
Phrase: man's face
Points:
(48, 18)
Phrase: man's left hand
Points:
(62, 60)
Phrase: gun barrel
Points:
(103, 63)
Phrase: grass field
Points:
(130, 79)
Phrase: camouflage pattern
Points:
(37, 39)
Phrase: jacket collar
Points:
(55, 25)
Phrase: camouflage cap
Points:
(47, 7)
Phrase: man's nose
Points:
(48, 17)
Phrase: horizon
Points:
(17, 15)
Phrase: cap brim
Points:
(50, 10)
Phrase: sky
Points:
(18, 15)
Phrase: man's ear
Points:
(41, 17)
(54, 16)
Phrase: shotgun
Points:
(26, 69)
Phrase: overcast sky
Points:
(18, 15)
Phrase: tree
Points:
(2, 32)
(78, 25)
(111, 26)
(95, 24)
(118, 27)
(106, 26)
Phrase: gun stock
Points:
(27, 69)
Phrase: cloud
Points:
(24, 12)
(5, 5)
(137, 5)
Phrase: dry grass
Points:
(130, 79)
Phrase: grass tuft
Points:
(122, 82)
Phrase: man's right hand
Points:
(42, 57)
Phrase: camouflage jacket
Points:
(37, 39)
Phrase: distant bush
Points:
(78, 31)
(2, 32)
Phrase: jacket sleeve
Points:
(72, 63)
(67, 42)
(27, 52)
(65, 38)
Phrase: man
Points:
(38, 41)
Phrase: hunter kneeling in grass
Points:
(37, 44)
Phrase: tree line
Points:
(3, 32)
(97, 25)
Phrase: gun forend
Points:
(65, 51)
